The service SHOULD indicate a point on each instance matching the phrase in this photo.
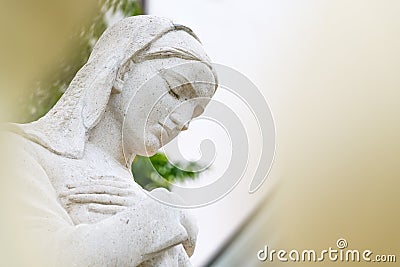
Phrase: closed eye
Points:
(179, 86)
(172, 93)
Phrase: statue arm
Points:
(125, 239)
(128, 238)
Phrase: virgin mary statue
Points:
(78, 204)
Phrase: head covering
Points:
(63, 130)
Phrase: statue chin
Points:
(149, 152)
(152, 145)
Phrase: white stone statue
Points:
(84, 205)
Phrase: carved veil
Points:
(82, 105)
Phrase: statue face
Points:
(162, 95)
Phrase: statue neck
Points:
(107, 136)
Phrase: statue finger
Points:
(188, 221)
(98, 189)
(93, 182)
(105, 209)
(100, 199)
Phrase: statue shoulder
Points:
(16, 145)
(27, 179)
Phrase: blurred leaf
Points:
(159, 172)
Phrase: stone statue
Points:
(83, 201)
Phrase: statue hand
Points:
(186, 219)
(106, 196)
(174, 256)
(112, 197)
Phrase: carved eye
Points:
(180, 87)
(172, 93)
(183, 92)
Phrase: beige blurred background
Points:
(33, 35)
(330, 72)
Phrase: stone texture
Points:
(84, 208)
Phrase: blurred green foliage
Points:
(51, 87)
(147, 171)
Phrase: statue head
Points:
(154, 75)
(162, 89)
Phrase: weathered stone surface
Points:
(84, 207)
